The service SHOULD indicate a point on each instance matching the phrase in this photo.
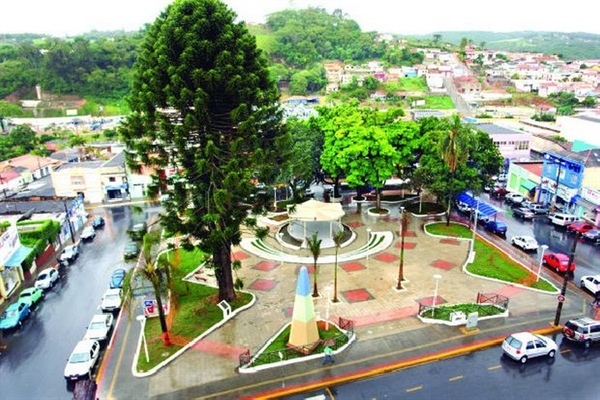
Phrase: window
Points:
(112, 179)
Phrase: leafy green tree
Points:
(202, 102)
(299, 84)
(589, 102)
(155, 270)
(370, 83)
(314, 246)
(366, 146)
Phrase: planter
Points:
(336, 199)
(382, 212)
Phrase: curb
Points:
(394, 366)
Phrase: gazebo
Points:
(317, 217)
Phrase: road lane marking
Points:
(455, 378)
(330, 393)
(565, 351)
(414, 389)
(494, 367)
(118, 364)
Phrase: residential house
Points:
(37, 166)
(11, 181)
(524, 177)
(12, 255)
(467, 85)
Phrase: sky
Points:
(72, 17)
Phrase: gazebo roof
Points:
(313, 210)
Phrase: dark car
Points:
(117, 278)
(497, 227)
(138, 231)
(523, 213)
(130, 250)
(593, 236)
(98, 222)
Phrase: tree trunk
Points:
(224, 273)
(161, 316)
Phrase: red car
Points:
(558, 262)
(580, 226)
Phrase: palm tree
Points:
(338, 238)
(153, 269)
(314, 245)
(453, 150)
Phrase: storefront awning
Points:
(528, 185)
(18, 256)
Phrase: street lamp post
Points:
(544, 248)
(142, 320)
(328, 292)
(368, 243)
(402, 235)
(280, 236)
(563, 290)
(281, 362)
(437, 279)
(274, 198)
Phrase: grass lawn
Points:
(194, 308)
(489, 261)
(443, 312)
(271, 353)
(454, 230)
(438, 103)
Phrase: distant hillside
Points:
(572, 46)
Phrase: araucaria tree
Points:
(203, 105)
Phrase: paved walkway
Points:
(385, 324)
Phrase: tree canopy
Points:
(204, 105)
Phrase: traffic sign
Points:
(561, 298)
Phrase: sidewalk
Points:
(389, 336)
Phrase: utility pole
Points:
(69, 221)
(563, 290)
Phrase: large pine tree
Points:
(203, 105)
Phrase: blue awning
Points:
(482, 207)
(528, 185)
(575, 198)
(18, 256)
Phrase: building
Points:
(513, 145)
(12, 255)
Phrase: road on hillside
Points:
(486, 374)
(32, 367)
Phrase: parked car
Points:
(82, 360)
(497, 227)
(562, 219)
(111, 300)
(47, 278)
(31, 296)
(499, 192)
(88, 234)
(99, 327)
(14, 315)
(591, 283)
(538, 208)
(116, 279)
(525, 345)
(525, 243)
(131, 250)
(98, 222)
(138, 231)
(580, 226)
(583, 330)
(558, 262)
(464, 208)
(523, 213)
(69, 254)
(514, 198)
(592, 236)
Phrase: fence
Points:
(482, 305)
(270, 357)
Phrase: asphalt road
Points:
(486, 374)
(587, 255)
(32, 367)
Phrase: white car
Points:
(111, 300)
(525, 345)
(88, 233)
(515, 198)
(525, 243)
(591, 283)
(99, 327)
(82, 360)
(47, 278)
(69, 254)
